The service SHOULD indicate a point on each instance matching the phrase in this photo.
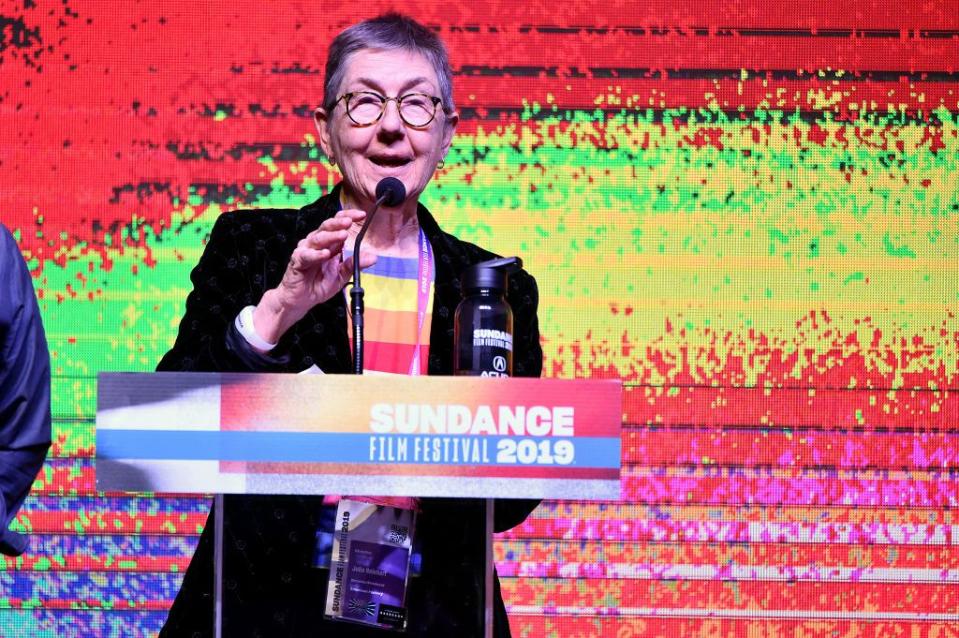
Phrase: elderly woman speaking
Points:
(269, 296)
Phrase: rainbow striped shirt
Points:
(391, 320)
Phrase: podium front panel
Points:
(340, 434)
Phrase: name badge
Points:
(370, 565)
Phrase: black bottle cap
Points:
(492, 274)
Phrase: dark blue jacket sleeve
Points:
(24, 390)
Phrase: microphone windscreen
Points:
(391, 190)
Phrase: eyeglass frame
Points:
(346, 97)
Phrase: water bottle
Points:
(483, 324)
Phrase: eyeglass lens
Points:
(415, 109)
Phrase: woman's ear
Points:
(321, 119)
(449, 128)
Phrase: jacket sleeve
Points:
(24, 390)
(527, 362)
(227, 278)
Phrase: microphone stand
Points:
(356, 292)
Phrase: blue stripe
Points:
(317, 447)
(395, 267)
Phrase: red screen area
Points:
(749, 212)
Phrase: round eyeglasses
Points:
(366, 107)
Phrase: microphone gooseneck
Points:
(390, 192)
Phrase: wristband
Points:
(244, 325)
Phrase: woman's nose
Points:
(391, 120)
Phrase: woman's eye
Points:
(416, 101)
(365, 99)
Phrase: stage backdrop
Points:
(747, 211)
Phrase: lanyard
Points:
(422, 297)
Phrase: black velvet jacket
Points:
(269, 587)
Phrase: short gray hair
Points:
(391, 31)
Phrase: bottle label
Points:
(495, 350)
(489, 338)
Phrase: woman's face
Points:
(388, 147)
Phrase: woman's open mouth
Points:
(389, 161)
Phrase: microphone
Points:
(389, 192)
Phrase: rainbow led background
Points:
(748, 211)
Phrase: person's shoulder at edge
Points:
(24, 389)
(14, 274)
(9, 251)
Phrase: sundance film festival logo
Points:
(488, 338)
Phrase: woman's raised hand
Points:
(316, 272)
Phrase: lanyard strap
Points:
(422, 297)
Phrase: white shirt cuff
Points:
(244, 325)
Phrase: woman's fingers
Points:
(332, 233)
(304, 258)
(355, 215)
(344, 219)
(332, 239)
(367, 259)
(317, 269)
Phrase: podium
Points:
(286, 434)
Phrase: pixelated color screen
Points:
(748, 211)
